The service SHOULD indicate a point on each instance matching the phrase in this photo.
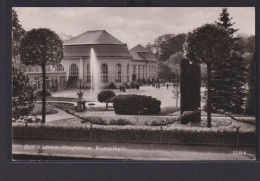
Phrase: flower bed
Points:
(37, 109)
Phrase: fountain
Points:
(95, 76)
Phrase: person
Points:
(167, 85)
(123, 88)
(120, 87)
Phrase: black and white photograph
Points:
(133, 83)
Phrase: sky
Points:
(138, 25)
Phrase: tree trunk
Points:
(43, 92)
(209, 95)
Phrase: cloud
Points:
(131, 25)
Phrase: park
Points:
(203, 102)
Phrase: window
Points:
(139, 72)
(118, 73)
(128, 73)
(134, 69)
(59, 68)
(143, 71)
(88, 73)
(74, 70)
(104, 73)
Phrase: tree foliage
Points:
(251, 95)
(167, 45)
(106, 96)
(17, 34)
(225, 21)
(209, 44)
(165, 72)
(41, 47)
(229, 75)
(22, 99)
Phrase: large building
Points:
(116, 63)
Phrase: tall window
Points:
(143, 71)
(118, 73)
(149, 71)
(134, 69)
(128, 73)
(74, 70)
(88, 73)
(139, 72)
(59, 68)
(104, 73)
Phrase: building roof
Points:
(94, 37)
(140, 53)
(140, 48)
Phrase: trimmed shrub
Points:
(106, 96)
(191, 116)
(38, 93)
(111, 86)
(136, 104)
(162, 122)
(119, 122)
(190, 86)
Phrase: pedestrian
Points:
(167, 85)
(120, 87)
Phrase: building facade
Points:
(115, 63)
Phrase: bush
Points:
(37, 109)
(111, 86)
(22, 99)
(119, 122)
(101, 121)
(38, 93)
(161, 122)
(191, 116)
(106, 96)
(136, 104)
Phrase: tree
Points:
(165, 72)
(225, 21)
(106, 96)
(250, 105)
(22, 99)
(172, 46)
(17, 34)
(229, 75)
(41, 47)
(209, 43)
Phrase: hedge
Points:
(136, 104)
(157, 134)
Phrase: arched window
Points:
(128, 73)
(74, 70)
(118, 73)
(59, 68)
(88, 73)
(143, 71)
(104, 73)
(139, 72)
